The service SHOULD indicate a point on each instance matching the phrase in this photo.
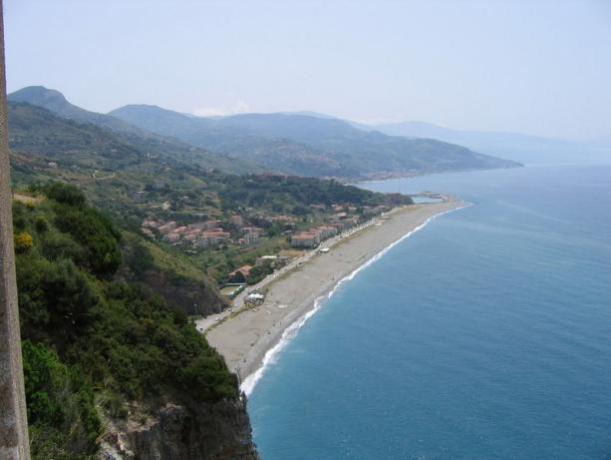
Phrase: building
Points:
(285, 220)
(167, 228)
(308, 239)
(251, 234)
(326, 231)
(240, 275)
(237, 220)
(267, 259)
(172, 237)
(212, 238)
(206, 225)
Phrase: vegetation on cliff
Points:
(88, 336)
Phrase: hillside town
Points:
(234, 230)
(289, 235)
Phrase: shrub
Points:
(63, 193)
(96, 234)
(56, 246)
(41, 225)
(62, 418)
(55, 299)
(23, 242)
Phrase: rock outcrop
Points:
(212, 431)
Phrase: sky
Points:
(537, 67)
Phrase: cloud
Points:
(233, 109)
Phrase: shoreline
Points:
(250, 339)
(203, 325)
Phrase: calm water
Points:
(485, 335)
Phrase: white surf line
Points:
(250, 382)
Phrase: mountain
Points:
(518, 147)
(56, 102)
(105, 128)
(300, 144)
(304, 143)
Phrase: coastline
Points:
(250, 339)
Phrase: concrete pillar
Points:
(14, 443)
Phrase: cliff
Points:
(110, 368)
(205, 431)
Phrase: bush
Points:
(23, 242)
(258, 272)
(96, 234)
(140, 259)
(63, 421)
(54, 299)
(41, 225)
(63, 193)
(57, 246)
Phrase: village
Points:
(296, 234)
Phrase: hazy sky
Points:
(540, 67)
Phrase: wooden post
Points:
(14, 442)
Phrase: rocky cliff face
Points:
(205, 431)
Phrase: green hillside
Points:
(310, 145)
(84, 133)
(290, 143)
(140, 189)
(94, 345)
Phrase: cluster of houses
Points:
(199, 234)
(210, 233)
(340, 221)
(312, 237)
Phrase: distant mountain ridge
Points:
(303, 144)
(515, 146)
(310, 145)
(56, 102)
(109, 127)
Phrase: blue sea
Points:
(485, 335)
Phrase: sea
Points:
(485, 335)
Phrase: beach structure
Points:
(254, 299)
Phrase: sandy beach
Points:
(244, 336)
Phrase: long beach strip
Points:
(250, 339)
